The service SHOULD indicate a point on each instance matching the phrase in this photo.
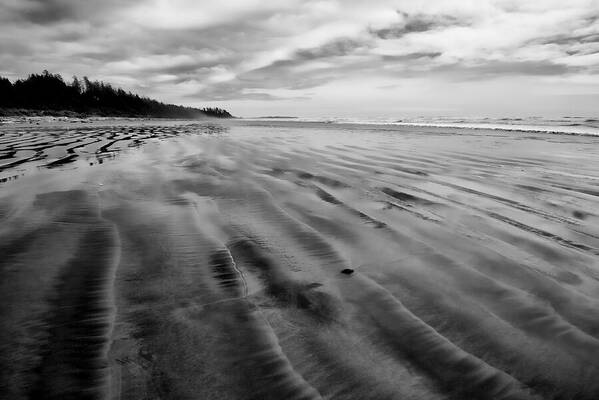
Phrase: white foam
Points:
(567, 125)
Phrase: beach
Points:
(203, 259)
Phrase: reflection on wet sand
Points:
(193, 260)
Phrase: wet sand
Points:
(185, 260)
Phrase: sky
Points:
(319, 58)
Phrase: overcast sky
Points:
(321, 57)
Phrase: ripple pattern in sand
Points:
(202, 261)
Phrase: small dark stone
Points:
(347, 271)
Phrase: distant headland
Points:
(49, 94)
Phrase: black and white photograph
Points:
(299, 199)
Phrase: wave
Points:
(582, 126)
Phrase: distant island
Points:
(49, 94)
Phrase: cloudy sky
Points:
(321, 57)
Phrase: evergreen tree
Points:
(6, 92)
(47, 91)
(76, 85)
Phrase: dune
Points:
(184, 259)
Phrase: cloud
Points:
(50, 12)
(249, 50)
(335, 48)
(47, 11)
(488, 69)
(413, 56)
(417, 23)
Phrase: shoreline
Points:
(409, 127)
(29, 112)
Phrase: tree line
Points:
(49, 92)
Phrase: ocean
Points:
(567, 125)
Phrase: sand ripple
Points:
(193, 260)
